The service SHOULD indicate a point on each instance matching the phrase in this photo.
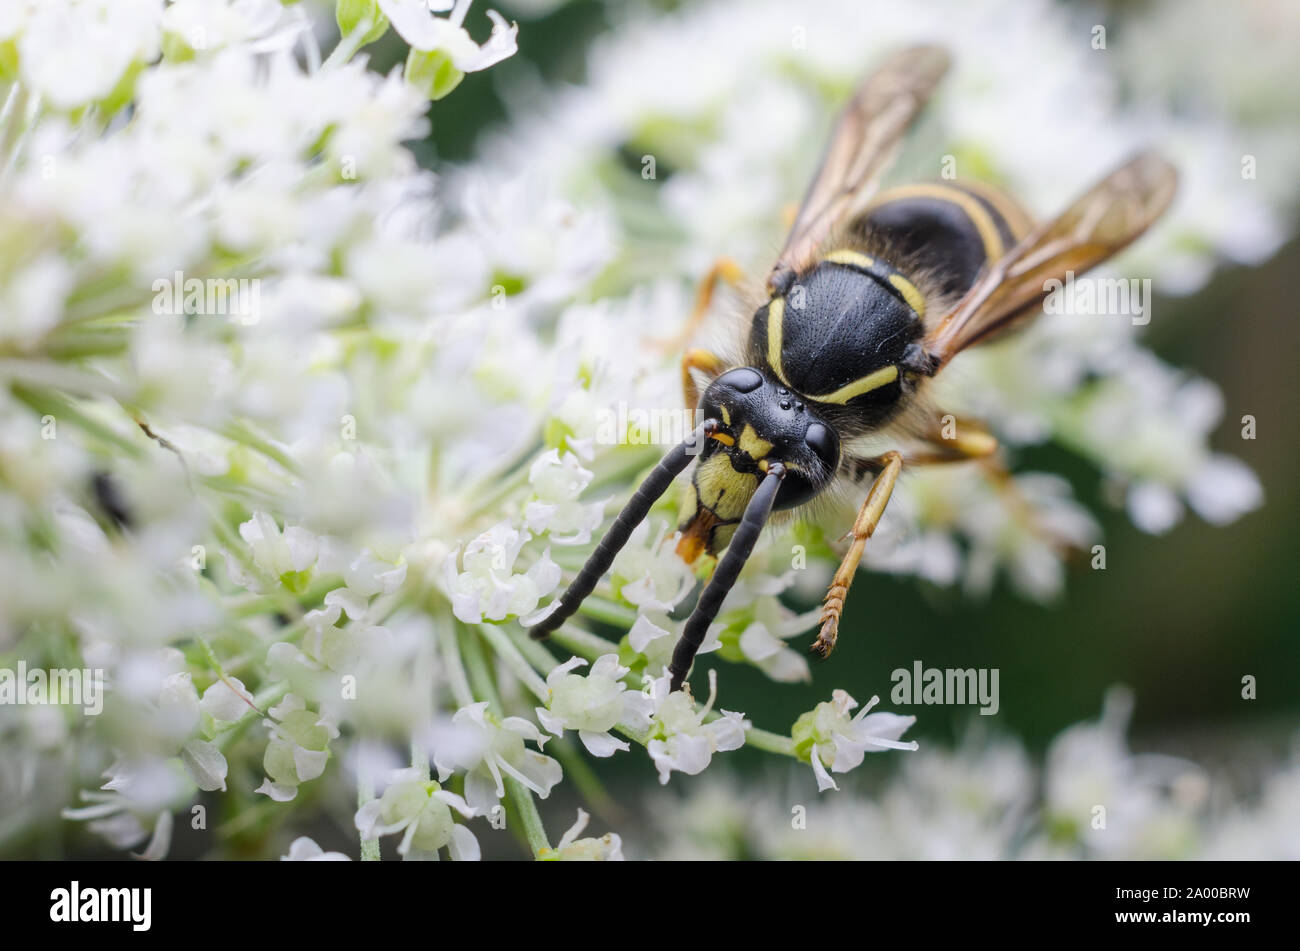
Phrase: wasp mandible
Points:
(871, 296)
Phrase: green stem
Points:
(348, 45)
(244, 434)
(608, 612)
(770, 742)
(480, 675)
(47, 402)
(365, 793)
(541, 659)
(452, 661)
(524, 804)
(586, 781)
(583, 643)
(514, 660)
(267, 698)
(420, 759)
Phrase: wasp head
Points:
(760, 422)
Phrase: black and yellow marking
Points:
(841, 340)
(882, 271)
(950, 230)
(861, 386)
(775, 319)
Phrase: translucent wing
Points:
(860, 147)
(1105, 220)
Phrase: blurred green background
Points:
(1180, 618)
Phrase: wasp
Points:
(872, 295)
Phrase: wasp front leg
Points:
(697, 359)
(889, 466)
(724, 269)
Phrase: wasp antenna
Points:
(655, 485)
(724, 577)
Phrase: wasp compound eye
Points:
(821, 440)
(742, 380)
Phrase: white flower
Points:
(648, 573)
(421, 810)
(281, 558)
(203, 25)
(298, 749)
(74, 52)
(829, 737)
(488, 749)
(178, 707)
(205, 763)
(558, 481)
(755, 622)
(1223, 489)
(653, 641)
(681, 739)
(353, 647)
(1149, 801)
(305, 849)
(487, 587)
(416, 24)
(226, 700)
(593, 705)
(135, 804)
(608, 848)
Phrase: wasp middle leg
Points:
(961, 441)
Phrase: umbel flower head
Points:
(296, 439)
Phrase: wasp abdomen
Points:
(947, 230)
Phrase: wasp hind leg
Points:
(888, 467)
(956, 439)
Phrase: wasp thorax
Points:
(762, 421)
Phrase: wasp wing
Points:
(860, 147)
(1103, 221)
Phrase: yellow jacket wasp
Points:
(871, 296)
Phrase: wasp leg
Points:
(955, 439)
(697, 359)
(724, 269)
(967, 440)
(890, 465)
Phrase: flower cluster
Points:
(1090, 798)
(293, 443)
